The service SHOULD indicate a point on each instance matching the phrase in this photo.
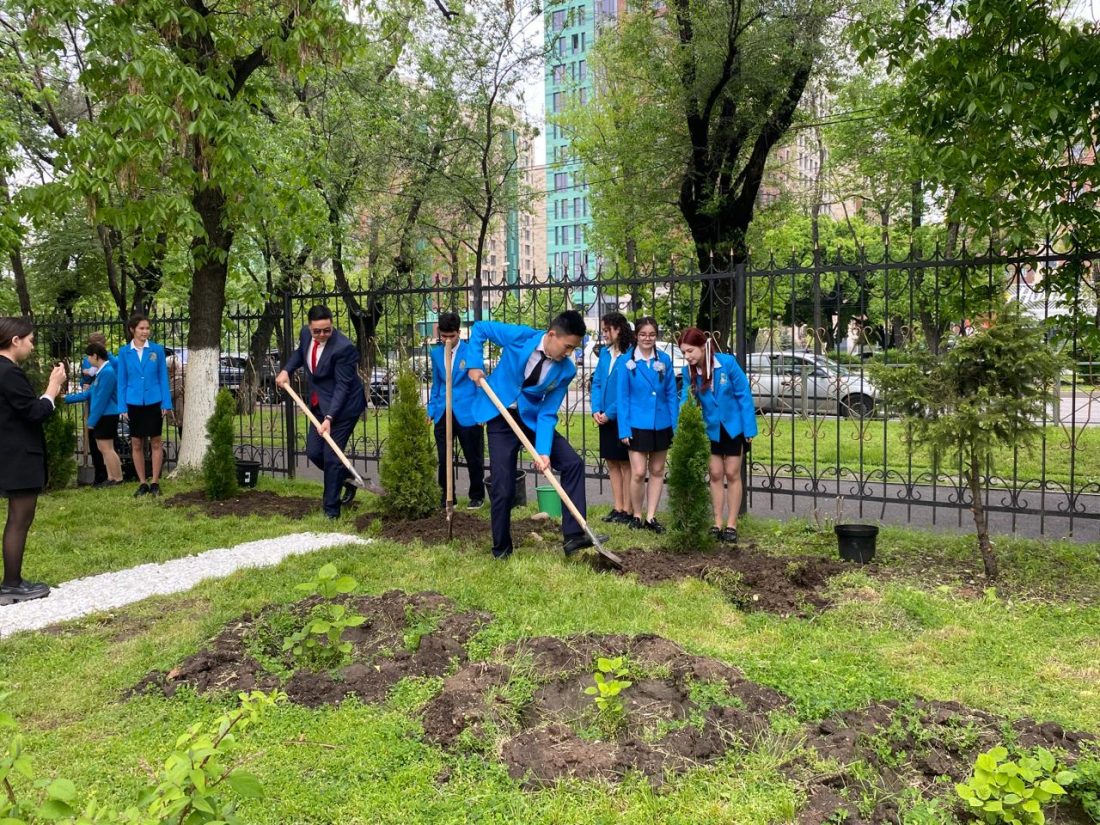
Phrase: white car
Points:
(796, 381)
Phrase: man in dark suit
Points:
(336, 397)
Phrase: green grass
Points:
(1015, 652)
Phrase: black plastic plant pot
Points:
(248, 473)
(856, 541)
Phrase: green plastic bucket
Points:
(549, 500)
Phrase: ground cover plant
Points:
(1027, 650)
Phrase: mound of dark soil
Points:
(467, 527)
(680, 711)
(422, 634)
(793, 586)
(249, 503)
(890, 748)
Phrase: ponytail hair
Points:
(695, 337)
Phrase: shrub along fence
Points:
(805, 331)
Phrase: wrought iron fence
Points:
(806, 333)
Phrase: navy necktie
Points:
(532, 380)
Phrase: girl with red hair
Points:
(722, 390)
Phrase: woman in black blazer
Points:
(23, 445)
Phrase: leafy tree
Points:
(688, 504)
(408, 465)
(1002, 96)
(991, 390)
(725, 80)
(219, 465)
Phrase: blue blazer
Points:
(103, 393)
(538, 406)
(143, 381)
(647, 395)
(337, 383)
(463, 390)
(605, 385)
(728, 402)
(86, 380)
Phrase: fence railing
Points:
(806, 334)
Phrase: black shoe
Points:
(612, 517)
(654, 526)
(348, 496)
(716, 533)
(729, 535)
(574, 543)
(332, 516)
(154, 489)
(475, 504)
(502, 555)
(142, 490)
(110, 483)
(23, 592)
(635, 523)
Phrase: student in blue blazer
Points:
(619, 339)
(144, 399)
(337, 398)
(463, 391)
(648, 413)
(722, 390)
(103, 410)
(87, 376)
(531, 379)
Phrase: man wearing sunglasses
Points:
(336, 397)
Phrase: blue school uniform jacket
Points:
(143, 381)
(103, 394)
(605, 384)
(728, 402)
(463, 390)
(646, 393)
(538, 406)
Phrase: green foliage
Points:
(319, 639)
(197, 783)
(1086, 787)
(608, 689)
(408, 464)
(60, 448)
(989, 391)
(688, 502)
(219, 465)
(417, 626)
(1002, 790)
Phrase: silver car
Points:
(801, 382)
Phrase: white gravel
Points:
(108, 590)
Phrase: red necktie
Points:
(313, 399)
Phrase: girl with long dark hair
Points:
(619, 339)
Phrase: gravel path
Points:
(107, 590)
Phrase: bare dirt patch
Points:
(680, 711)
(423, 634)
(248, 503)
(750, 579)
(467, 528)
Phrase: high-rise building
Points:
(571, 27)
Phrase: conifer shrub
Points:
(60, 449)
(688, 497)
(408, 464)
(219, 465)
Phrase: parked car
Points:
(795, 381)
(591, 357)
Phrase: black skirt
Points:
(611, 446)
(106, 428)
(650, 441)
(728, 444)
(146, 421)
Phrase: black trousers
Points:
(504, 448)
(320, 453)
(472, 440)
(97, 459)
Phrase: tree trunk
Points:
(206, 305)
(16, 258)
(974, 476)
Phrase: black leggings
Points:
(20, 517)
